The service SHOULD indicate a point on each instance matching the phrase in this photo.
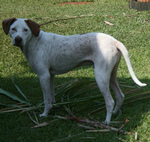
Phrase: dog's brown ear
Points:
(7, 23)
(34, 27)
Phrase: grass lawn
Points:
(131, 27)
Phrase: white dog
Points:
(51, 54)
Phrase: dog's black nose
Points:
(18, 39)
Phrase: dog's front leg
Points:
(45, 84)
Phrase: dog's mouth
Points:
(18, 42)
(20, 45)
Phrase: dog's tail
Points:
(125, 53)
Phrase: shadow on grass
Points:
(30, 86)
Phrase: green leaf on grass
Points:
(19, 90)
(12, 96)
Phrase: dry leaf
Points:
(136, 135)
(40, 125)
(43, 124)
(108, 23)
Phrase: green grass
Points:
(130, 27)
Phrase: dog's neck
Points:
(29, 46)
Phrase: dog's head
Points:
(20, 30)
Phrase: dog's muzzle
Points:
(18, 41)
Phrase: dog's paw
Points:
(43, 115)
(106, 122)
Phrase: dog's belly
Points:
(64, 68)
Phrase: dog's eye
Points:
(14, 29)
(25, 30)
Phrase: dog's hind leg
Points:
(102, 78)
(118, 93)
